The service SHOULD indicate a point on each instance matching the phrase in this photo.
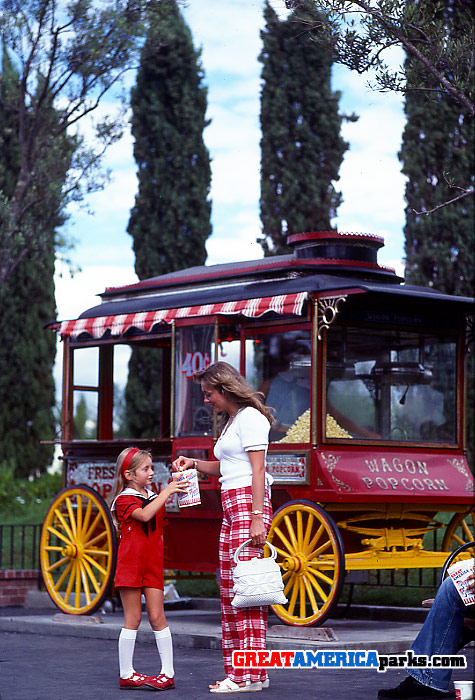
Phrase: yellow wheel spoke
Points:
(59, 535)
(67, 569)
(289, 583)
(95, 523)
(317, 587)
(96, 539)
(97, 552)
(79, 515)
(77, 591)
(315, 539)
(310, 594)
(91, 576)
(72, 519)
(308, 532)
(299, 531)
(63, 522)
(321, 576)
(94, 563)
(303, 597)
(290, 530)
(286, 542)
(69, 587)
(458, 539)
(466, 530)
(293, 598)
(320, 550)
(57, 564)
(87, 516)
(85, 582)
(282, 552)
(50, 548)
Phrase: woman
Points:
(244, 424)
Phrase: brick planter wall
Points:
(15, 584)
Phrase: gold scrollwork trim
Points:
(328, 310)
(330, 462)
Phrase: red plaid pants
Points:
(243, 628)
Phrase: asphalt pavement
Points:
(45, 655)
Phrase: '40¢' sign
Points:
(195, 362)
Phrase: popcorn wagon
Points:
(365, 373)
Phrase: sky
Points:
(228, 34)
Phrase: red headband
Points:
(127, 459)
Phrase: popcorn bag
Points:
(190, 497)
(459, 573)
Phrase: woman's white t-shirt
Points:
(248, 431)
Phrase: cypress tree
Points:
(170, 221)
(301, 146)
(27, 303)
(438, 150)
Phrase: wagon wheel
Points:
(454, 557)
(459, 531)
(311, 557)
(78, 550)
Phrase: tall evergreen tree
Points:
(438, 150)
(170, 221)
(27, 352)
(301, 146)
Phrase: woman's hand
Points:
(257, 531)
(181, 463)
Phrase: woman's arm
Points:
(150, 510)
(258, 485)
(211, 468)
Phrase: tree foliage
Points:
(360, 34)
(170, 221)
(301, 146)
(27, 303)
(68, 55)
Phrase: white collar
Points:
(133, 492)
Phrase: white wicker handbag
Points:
(257, 581)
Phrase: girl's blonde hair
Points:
(120, 482)
(227, 380)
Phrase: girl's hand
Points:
(181, 463)
(257, 531)
(176, 486)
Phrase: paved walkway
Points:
(196, 624)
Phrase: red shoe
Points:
(161, 682)
(138, 680)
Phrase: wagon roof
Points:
(241, 290)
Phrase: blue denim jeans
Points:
(441, 633)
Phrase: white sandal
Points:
(229, 686)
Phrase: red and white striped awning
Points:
(285, 304)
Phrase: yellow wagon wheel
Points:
(311, 556)
(459, 531)
(78, 550)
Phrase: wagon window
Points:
(196, 348)
(390, 385)
(278, 364)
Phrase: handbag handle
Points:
(273, 550)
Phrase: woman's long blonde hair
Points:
(227, 380)
(120, 483)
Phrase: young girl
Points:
(138, 512)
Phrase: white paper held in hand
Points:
(460, 573)
(190, 497)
